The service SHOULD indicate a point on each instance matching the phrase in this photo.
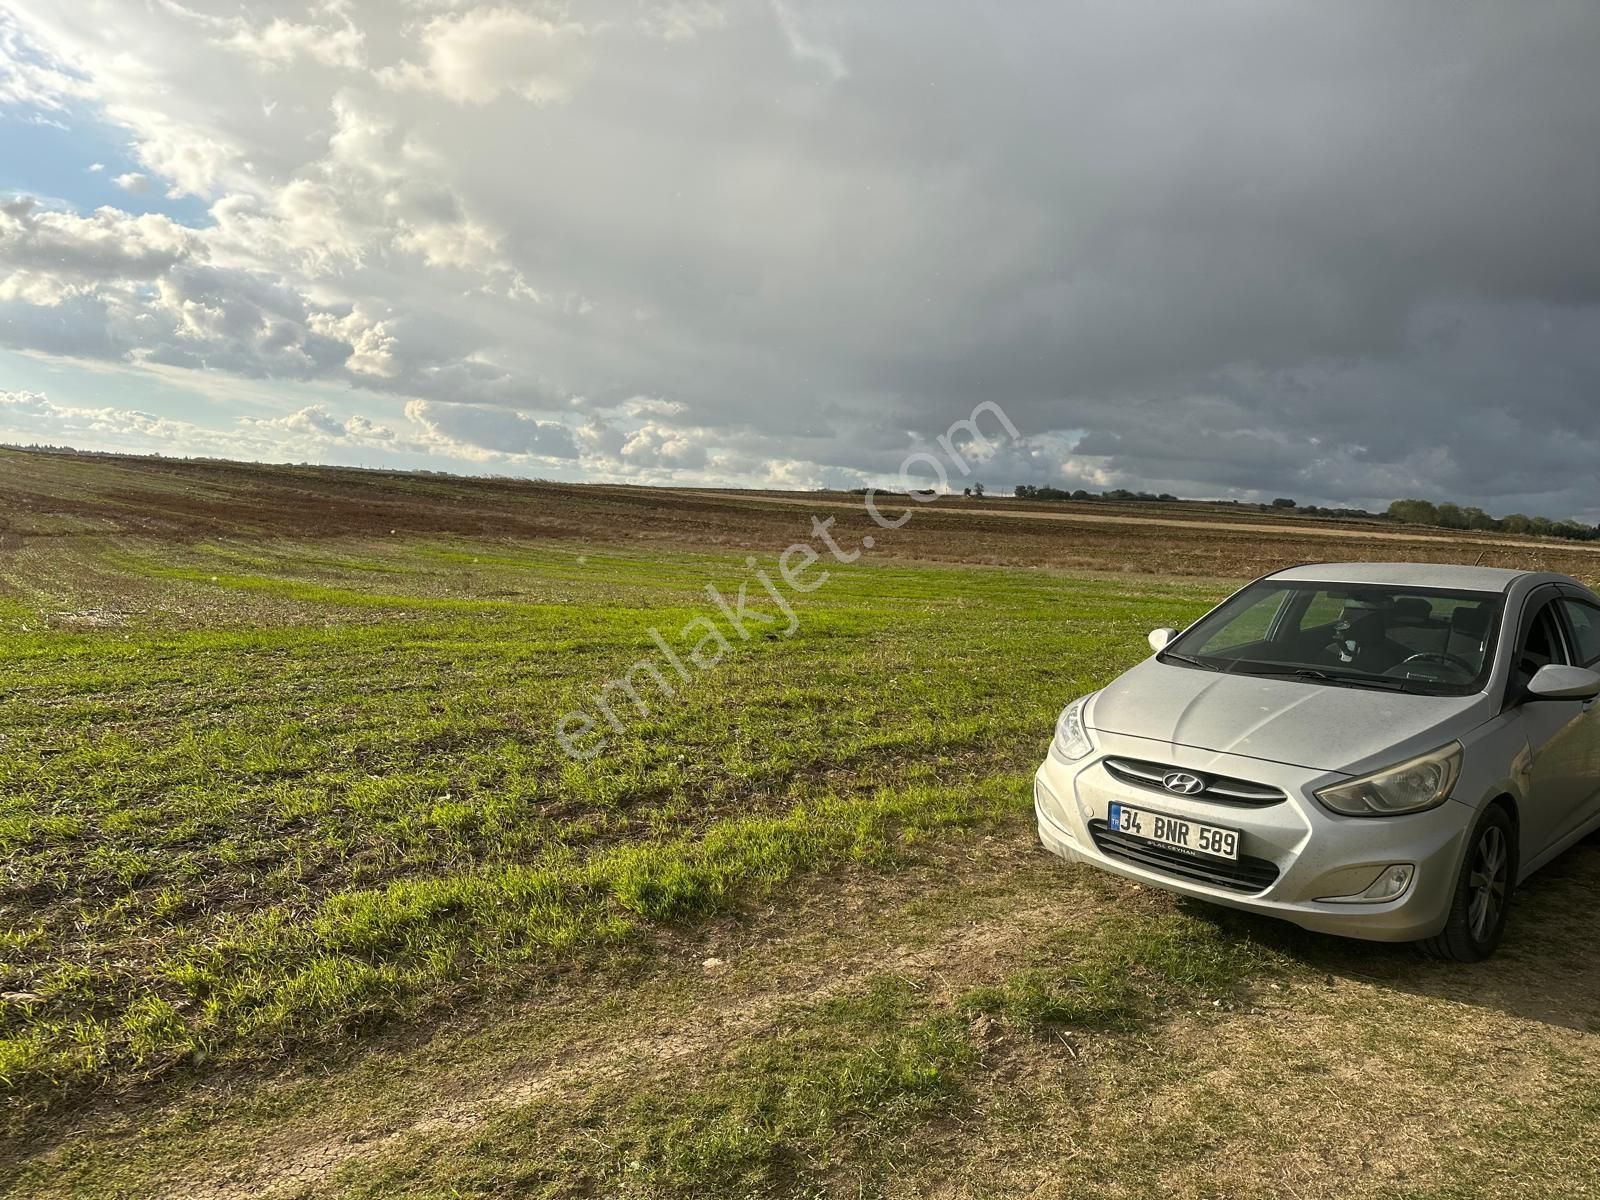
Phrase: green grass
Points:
(1115, 977)
(292, 795)
(837, 1091)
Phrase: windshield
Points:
(1429, 640)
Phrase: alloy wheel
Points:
(1487, 883)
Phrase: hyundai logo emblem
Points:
(1183, 783)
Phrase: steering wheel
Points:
(1440, 657)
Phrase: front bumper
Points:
(1316, 854)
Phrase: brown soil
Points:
(52, 496)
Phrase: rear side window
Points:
(1584, 621)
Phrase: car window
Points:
(1543, 645)
(1250, 624)
(1583, 619)
(1435, 640)
(1324, 609)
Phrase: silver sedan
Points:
(1382, 751)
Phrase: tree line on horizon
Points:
(1028, 491)
(1408, 511)
(1457, 516)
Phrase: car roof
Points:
(1432, 575)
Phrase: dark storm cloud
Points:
(1099, 215)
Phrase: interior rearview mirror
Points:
(1555, 682)
(1160, 637)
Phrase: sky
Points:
(1336, 252)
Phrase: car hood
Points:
(1300, 722)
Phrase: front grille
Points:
(1219, 789)
(1244, 874)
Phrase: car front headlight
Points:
(1411, 786)
(1072, 738)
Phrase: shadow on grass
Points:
(1547, 968)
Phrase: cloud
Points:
(317, 422)
(133, 183)
(279, 43)
(29, 79)
(31, 417)
(1228, 249)
(681, 20)
(806, 44)
(372, 346)
(48, 256)
(471, 57)
(654, 445)
(477, 431)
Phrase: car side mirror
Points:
(1556, 682)
(1159, 639)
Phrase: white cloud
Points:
(33, 417)
(133, 183)
(474, 56)
(681, 20)
(655, 406)
(654, 445)
(600, 439)
(27, 80)
(47, 256)
(279, 43)
(197, 162)
(16, 405)
(372, 346)
(318, 423)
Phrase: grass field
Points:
(303, 897)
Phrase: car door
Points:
(1559, 733)
(1582, 619)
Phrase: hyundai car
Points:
(1381, 751)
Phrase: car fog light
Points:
(1391, 883)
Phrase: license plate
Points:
(1176, 832)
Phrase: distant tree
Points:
(1571, 529)
(1478, 519)
(1080, 494)
(1516, 523)
(976, 490)
(1450, 516)
(1414, 512)
(966, 491)
(1283, 502)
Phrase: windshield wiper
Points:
(1368, 681)
(1187, 658)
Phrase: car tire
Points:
(1483, 892)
